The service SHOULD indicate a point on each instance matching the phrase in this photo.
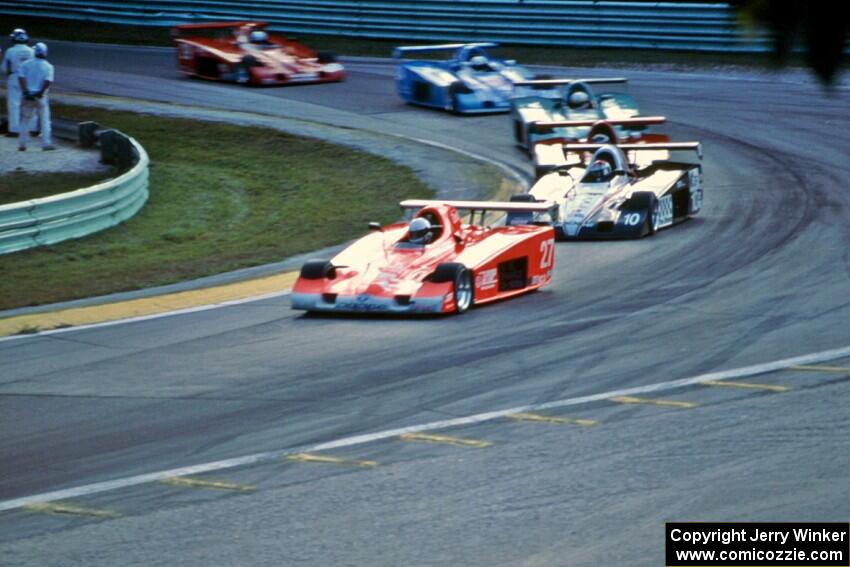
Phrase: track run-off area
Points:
(701, 374)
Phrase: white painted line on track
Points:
(256, 458)
(146, 317)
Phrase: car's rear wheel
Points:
(519, 134)
(461, 279)
(318, 269)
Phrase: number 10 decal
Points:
(631, 219)
(547, 253)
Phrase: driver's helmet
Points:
(419, 231)
(578, 99)
(19, 35)
(479, 63)
(258, 36)
(598, 172)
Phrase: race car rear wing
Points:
(525, 209)
(400, 52)
(668, 146)
(501, 206)
(544, 125)
(178, 29)
(557, 82)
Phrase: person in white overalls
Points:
(12, 60)
(34, 77)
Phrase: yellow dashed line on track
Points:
(653, 402)
(316, 458)
(190, 482)
(747, 385)
(68, 509)
(148, 305)
(458, 441)
(815, 368)
(538, 418)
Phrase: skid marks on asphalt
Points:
(593, 417)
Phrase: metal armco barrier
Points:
(642, 25)
(40, 222)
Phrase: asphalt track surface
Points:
(762, 274)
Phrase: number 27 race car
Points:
(244, 53)
(434, 264)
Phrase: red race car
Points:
(433, 264)
(244, 53)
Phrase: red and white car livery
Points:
(462, 265)
(244, 53)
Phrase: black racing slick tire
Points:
(461, 278)
(648, 202)
(242, 73)
(317, 270)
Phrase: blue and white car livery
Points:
(469, 81)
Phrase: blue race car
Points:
(468, 82)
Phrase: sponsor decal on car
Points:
(303, 77)
(696, 190)
(486, 279)
(665, 211)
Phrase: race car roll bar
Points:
(556, 82)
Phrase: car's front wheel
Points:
(318, 269)
(646, 202)
(242, 74)
(461, 278)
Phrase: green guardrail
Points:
(40, 222)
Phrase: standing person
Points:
(12, 60)
(35, 77)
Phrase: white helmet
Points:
(19, 35)
(479, 63)
(40, 49)
(419, 231)
(578, 99)
(258, 36)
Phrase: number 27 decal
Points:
(547, 253)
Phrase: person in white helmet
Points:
(35, 77)
(259, 37)
(12, 60)
(579, 100)
(480, 64)
(419, 231)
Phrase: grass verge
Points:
(20, 186)
(222, 197)
(52, 28)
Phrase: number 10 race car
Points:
(626, 191)
(436, 264)
(244, 53)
